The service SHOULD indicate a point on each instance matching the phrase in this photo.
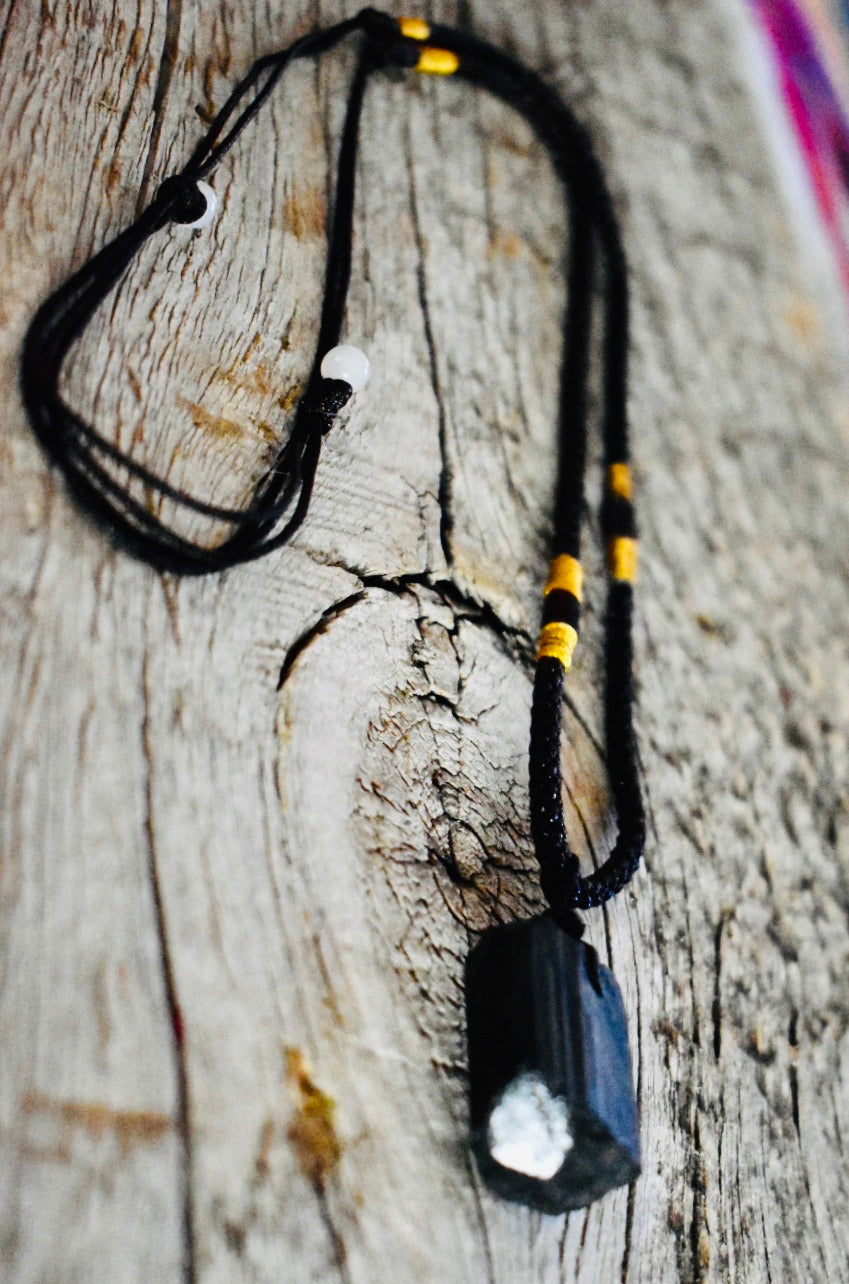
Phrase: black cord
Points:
(100, 475)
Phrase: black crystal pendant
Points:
(553, 1113)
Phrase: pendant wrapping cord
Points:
(92, 465)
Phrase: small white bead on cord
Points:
(347, 363)
(209, 213)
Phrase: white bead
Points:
(211, 206)
(348, 363)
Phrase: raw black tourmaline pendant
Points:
(553, 1114)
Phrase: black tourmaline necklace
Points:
(553, 1114)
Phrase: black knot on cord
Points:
(325, 398)
(400, 52)
(183, 199)
(379, 26)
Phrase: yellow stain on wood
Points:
(312, 1130)
(290, 398)
(131, 1127)
(803, 320)
(305, 212)
(507, 244)
(262, 1163)
(710, 627)
(227, 429)
(136, 48)
(261, 378)
(113, 176)
(205, 421)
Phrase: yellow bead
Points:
(438, 62)
(414, 28)
(622, 558)
(619, 480)
(565, 572)
(558, 641)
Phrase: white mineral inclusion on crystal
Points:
(529, 1129)
(348, 363)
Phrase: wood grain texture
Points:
(250, 824)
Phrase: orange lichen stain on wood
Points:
(312, 1130)
(262, 1163)
(803, 320)
(507, 244)
(305, 212)
(136, 45)
(131, 1127)
(261, 379)
(289, 399)
(711, 627)
(207, 110)
(235, 1235)
(664, 1027)
(525, 145)
(135, 384)
(113, 176)
(205, 421)
(60, 1154)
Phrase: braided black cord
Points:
(287, 485)
(592, 221)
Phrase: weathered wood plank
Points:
(223, 904)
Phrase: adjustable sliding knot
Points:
(324, 399)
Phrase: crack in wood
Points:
(793, 1040)
(716, 1007)
(465, 607)
(167, 63)
(446, 516)
(629, 1231)
(170, 984)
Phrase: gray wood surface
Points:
(234, 913)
